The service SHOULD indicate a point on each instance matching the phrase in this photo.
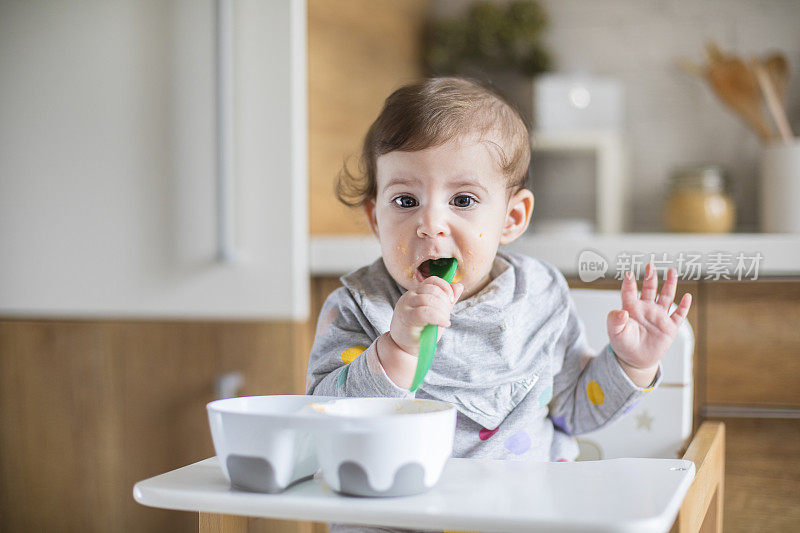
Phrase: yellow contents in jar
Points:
(698, 201)
(697, 211)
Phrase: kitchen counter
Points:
(761, 254)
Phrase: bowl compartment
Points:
(386, 446)
(364, 446)
(258, 442)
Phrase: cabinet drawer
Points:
(752, 343)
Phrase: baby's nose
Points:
(433, 223)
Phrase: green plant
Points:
(490, 36)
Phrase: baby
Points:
(444, 168)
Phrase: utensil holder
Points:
(780, 187)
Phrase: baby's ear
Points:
(518, 216)
(369, 211)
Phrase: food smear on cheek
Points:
(410, 270)
(469, 253)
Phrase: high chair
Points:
(661, 424)
(629, 477)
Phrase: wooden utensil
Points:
(777, 67)
(738, 88)
(773, 103)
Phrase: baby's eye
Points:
(405, 201)
(463, 200)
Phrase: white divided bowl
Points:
(384, 446)
(365, 446)
(260, 443)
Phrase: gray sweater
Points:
(515, 361)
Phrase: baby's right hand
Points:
(430, 303)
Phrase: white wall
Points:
(672, 118)
(107, 160)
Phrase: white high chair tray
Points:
(636, 495)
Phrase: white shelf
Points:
(337, 255)
(611, 179)
(573, 140)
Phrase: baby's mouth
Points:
(424, 269)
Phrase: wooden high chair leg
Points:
(702, 508)
(222, 523)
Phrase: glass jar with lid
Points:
(698, 201)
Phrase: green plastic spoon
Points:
(445, 269)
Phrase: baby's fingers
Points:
(429, 314)
(458, 290)
(434, 298)
(683, 309)
(650, 284)
(629, 291)
(435, 283)
(668, 290)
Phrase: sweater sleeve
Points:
(591, 389)
(343, 360)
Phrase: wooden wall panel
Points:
(89, 408)
(55, 428)
(761, 475)
(753, 336)
(358, 52)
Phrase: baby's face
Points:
(447, 201)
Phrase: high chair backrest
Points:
(660, 424)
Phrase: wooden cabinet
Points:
(761, 474)
(750, 375)
(89, 408)
(359, 51)
(753, 344)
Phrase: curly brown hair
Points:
(429, 113)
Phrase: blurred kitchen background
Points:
(169, 231)
(667, 118)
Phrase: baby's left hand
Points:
(643, 330)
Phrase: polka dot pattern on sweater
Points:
(518, 443)
(340, 381)
(546, 396)
(349, 355)
(485, 434)
(561, 423)
(595, 393)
